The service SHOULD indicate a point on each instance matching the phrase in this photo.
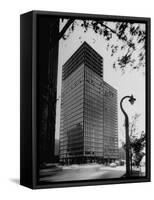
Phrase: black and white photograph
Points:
(76, 100)
(91, 99)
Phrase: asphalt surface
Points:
(86, 172)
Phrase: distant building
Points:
(122, 153)
(88, 131)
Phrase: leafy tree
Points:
(137, 146)
(137, 142)
(125, 40)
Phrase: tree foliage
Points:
(137, 146)
(125, 41)
(137, 142)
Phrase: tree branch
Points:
(70, 21)
(60, 34)
(113, 31)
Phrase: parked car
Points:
(117, 162)
(122, 162)
(113, 165)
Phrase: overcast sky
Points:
(131, 82)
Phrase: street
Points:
(81, 172)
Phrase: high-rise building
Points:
(110, 130)
(84, 133)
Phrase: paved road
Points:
(83, 173)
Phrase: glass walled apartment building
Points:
(83, 135)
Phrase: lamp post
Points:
(131, 99)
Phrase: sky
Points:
(131, 82)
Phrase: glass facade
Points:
(71, 129)
(110, 132)
(84, 132)
(93, 116)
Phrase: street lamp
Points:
(131, 100)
